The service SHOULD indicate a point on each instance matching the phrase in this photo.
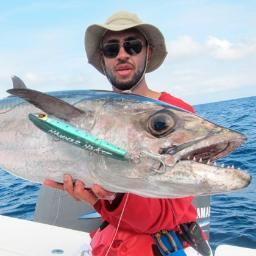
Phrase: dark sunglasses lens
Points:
(133, 47)
(110, 50)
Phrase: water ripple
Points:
(233, 216)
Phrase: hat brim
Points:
(94, 34)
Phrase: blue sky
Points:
(211, 45)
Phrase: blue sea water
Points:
(233, 215)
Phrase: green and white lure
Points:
(66, 132)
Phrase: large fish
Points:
(164, 151)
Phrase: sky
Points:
(211, 45)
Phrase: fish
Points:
(167, 152)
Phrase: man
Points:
(124, 49)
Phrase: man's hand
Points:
(78, 191)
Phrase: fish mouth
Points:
(209, 153)
(205, 151)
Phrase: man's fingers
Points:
(68, 184)
(84, 194)
(101, 193)
(78, 191)
(53, 184)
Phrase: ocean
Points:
(233, 215)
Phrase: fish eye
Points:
(161, 123)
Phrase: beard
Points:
(125, 85)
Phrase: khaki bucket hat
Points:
(118, 22)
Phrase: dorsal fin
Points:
(18, 83)
(49, 104)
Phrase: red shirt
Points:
(168, 98)
(141, 217)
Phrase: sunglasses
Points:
(132, 47)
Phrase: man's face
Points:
(124, 59)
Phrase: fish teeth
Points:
(188, 157)
(194, 159)
(214, 163)
(232, 166)
(200, 160)
(222, 165)
(208, 162)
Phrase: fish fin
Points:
(49, 104)
(18, 83)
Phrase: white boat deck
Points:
(27, 238)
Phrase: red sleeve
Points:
(148, 215)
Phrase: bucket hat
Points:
(118, 22)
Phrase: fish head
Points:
(187, 147)
(172, 147)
